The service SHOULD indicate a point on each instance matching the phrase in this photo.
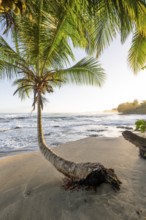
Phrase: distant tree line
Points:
(134, 107)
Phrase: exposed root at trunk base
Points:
(93, 180)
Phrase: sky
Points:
(121, 85)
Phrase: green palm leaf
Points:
(10, 61)
(43, 43)
(113, 17)
(88, 71)
(137, 52)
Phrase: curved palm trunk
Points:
(137, 141)
(74, 171)
(69, 169)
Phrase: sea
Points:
(18, 132)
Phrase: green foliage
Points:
(43, 50)
(124, 107)
(132, 107)
(136, 57)
(42, 41)
(137, 52)
(115, 17)
(140, 125)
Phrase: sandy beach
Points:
(31, 189)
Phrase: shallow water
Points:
(18, 131)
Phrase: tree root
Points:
(93, 180)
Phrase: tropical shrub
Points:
(140, 125)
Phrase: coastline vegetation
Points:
(134, 107)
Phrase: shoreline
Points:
(60, 129)
(17, 152)
(31, 188)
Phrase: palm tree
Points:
(41, 51)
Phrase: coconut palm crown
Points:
(9, 9)
(43, 49)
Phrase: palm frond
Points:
(43, 101)
(137, 52)
(43, 39)
(24, 87)
(72, 24)
(58, 39)
(23, 91)
(114, 17)
(106, 30)
(10, 60)
(88, 71)
(7, 70)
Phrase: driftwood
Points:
(138, 141)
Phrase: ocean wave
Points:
(3, 130)
(10, 129)
(21, 134)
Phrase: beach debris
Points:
(138, 141)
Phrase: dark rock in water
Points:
(17, 127)
(48, 134)
(124, 127)
(100, 130)
(94, 130)
(4, 130)
(20, 118)
(93, 135)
